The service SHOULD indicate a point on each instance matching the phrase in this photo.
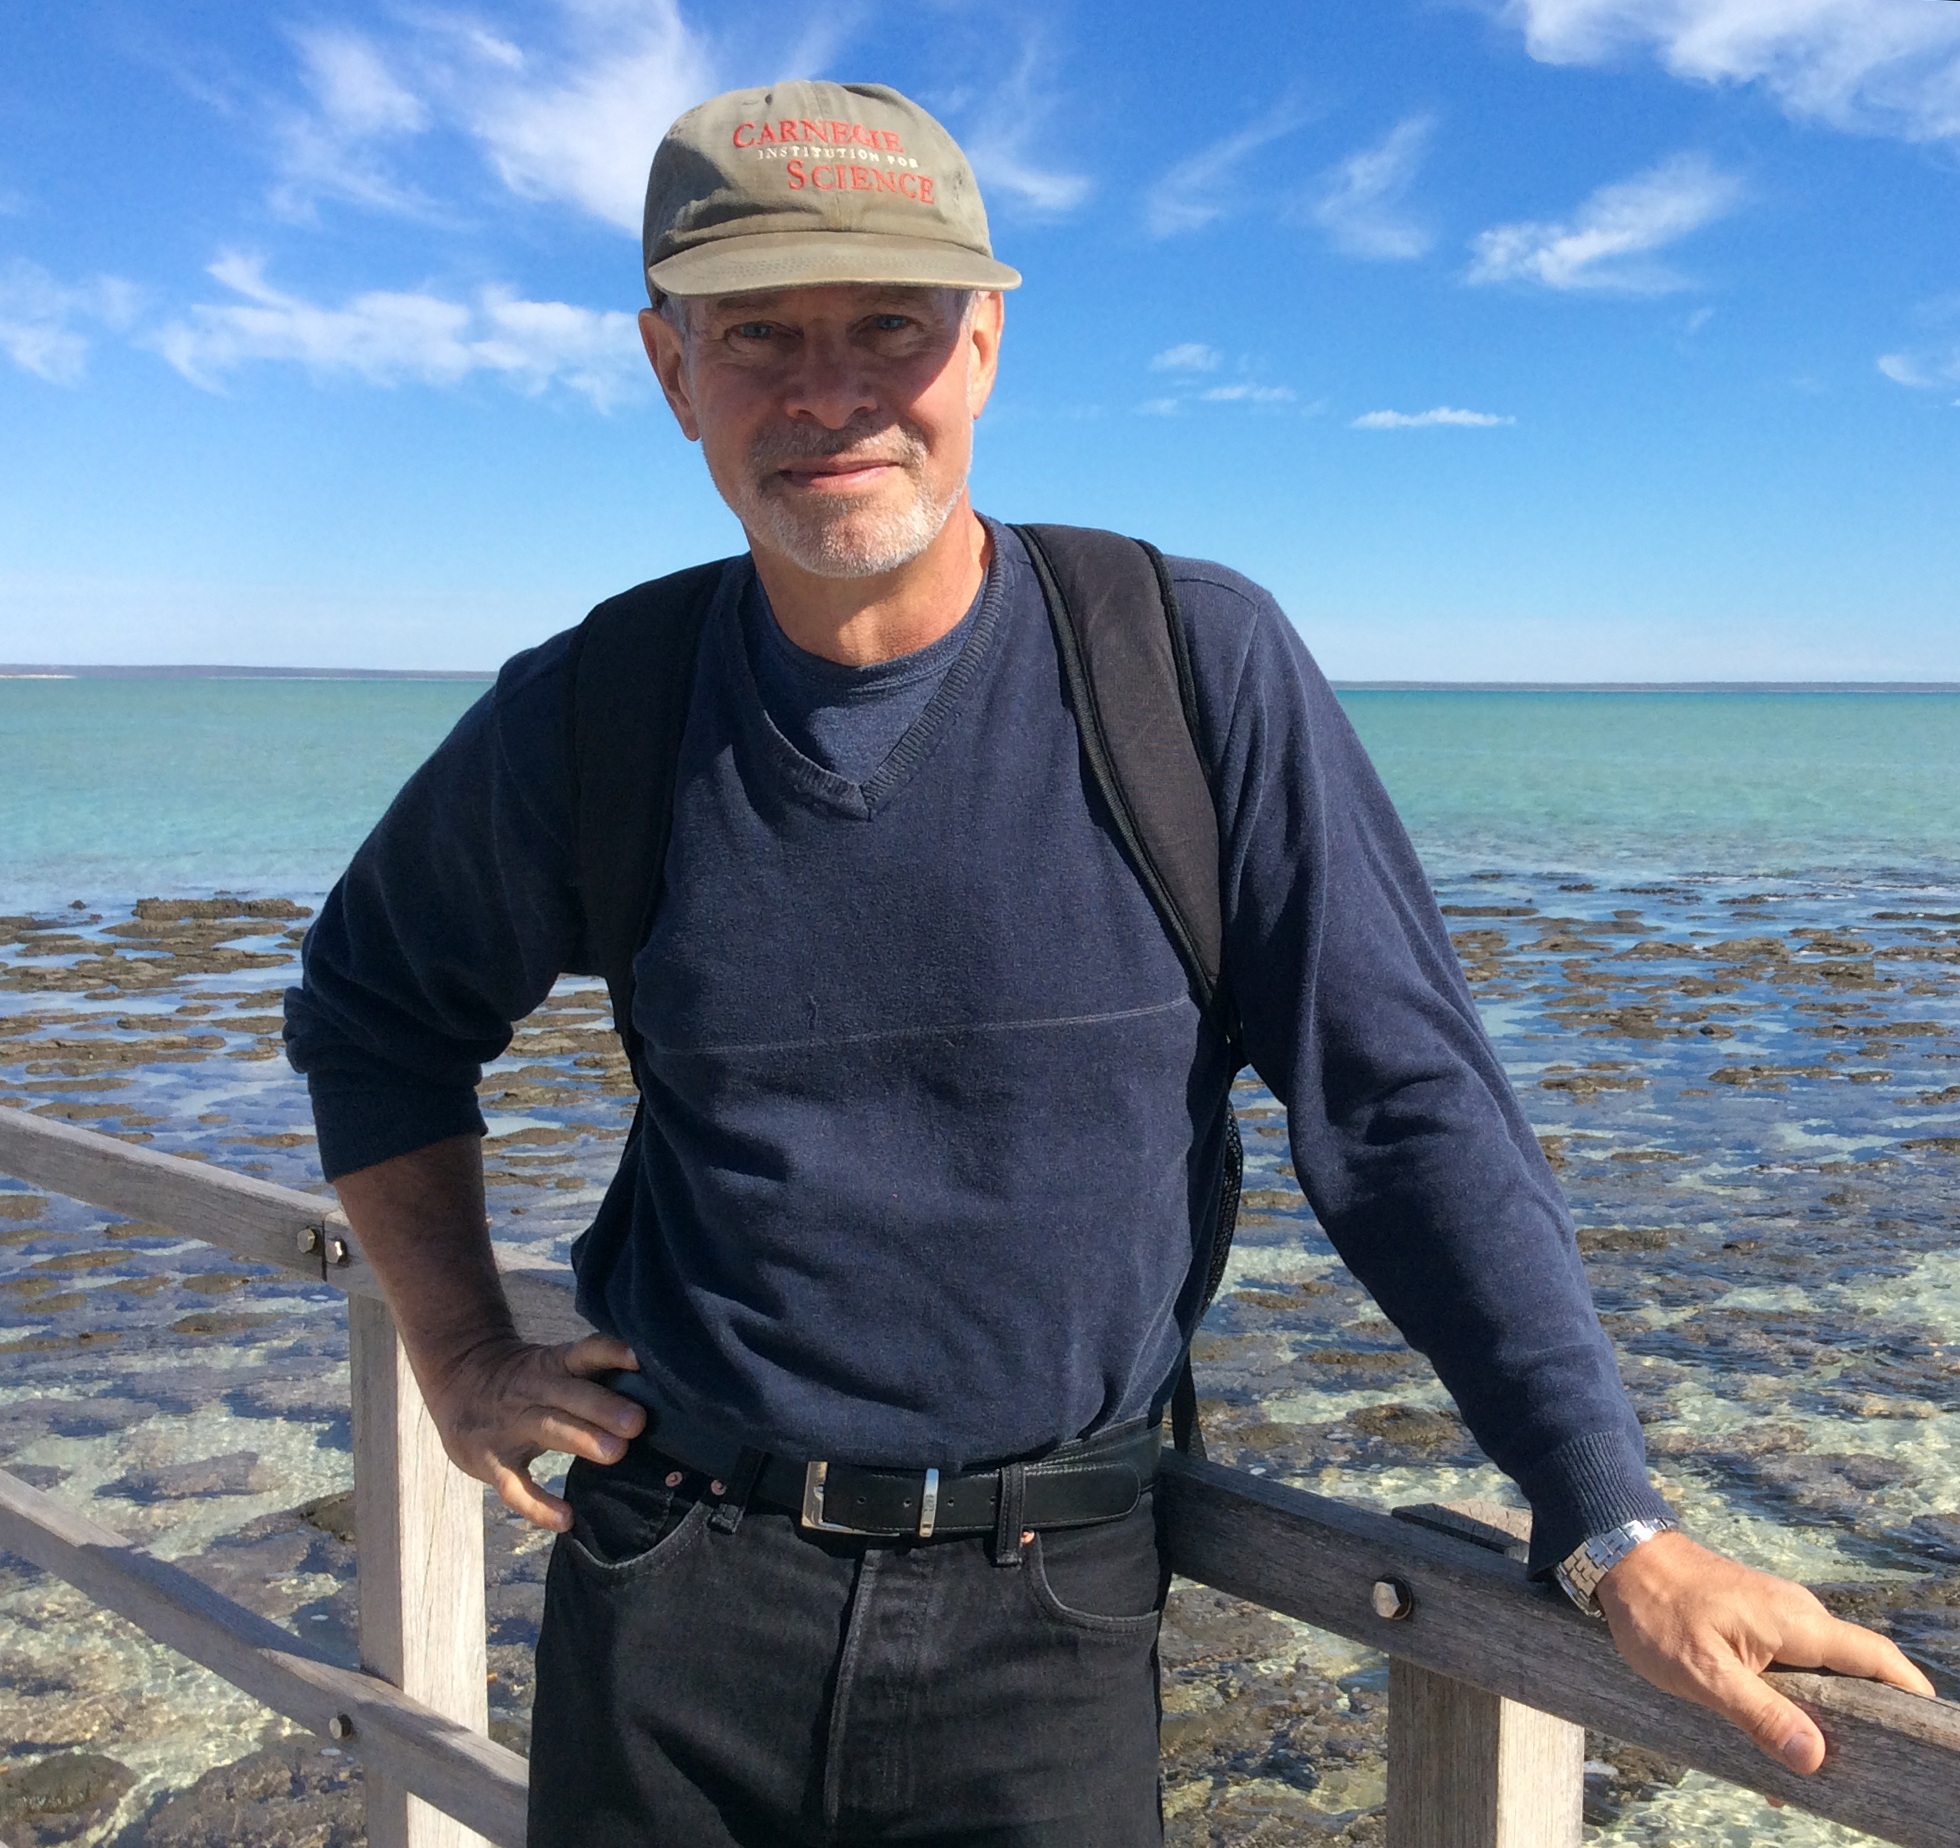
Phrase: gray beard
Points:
(842, 542)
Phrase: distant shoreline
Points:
(1646, 686)
(29, 671)
(25, 671)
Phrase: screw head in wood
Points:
(309, 1240)
(339, 1251)
(1392, 1600)
(340, 1727)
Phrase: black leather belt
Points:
(1100, 1478)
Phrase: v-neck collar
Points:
(823, 787)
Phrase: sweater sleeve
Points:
(1407, 1138)
(452, 922)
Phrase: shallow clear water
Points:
(110, 789)
(120, 788)
(1717, 942)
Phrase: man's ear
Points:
(667, 353)
(983, 349)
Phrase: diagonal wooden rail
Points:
(454, 1767)
(1479, 1652)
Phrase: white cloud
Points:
(1429, 420)
(1189, 356)
(42, 320)
(1923, 371)
(356, 91)
(1877, 66)
(390, 338)
(336, 146)
(1007, 123)
(1158, 407)
(1249, 394)
(580, 122)
(571, 115)
(1358, 200)
(1198, 190)
(1610, 240)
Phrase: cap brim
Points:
(737, 264)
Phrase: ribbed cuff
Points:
(1586, 1486)
(362, 1119)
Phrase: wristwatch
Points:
(1580, 1571)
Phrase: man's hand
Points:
(499, 1401)
(1703, 1627)
(505, 1403)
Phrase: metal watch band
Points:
(1580, 1571)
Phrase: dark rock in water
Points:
(1206, 1628)
(1622, 1238)
(1829, 1487)
(93, 1417)
(317, 1395)
(331, 1514)
(1413, 1427)
(223, 1321)
(288, 1796)
(40, 1475)
(58, 1798)
(237, 1472)
(1937, 1535)
(1620, 1776)
(184, 910)
(1257, 1747)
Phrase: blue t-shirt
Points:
(932, 1124)
(848, 719)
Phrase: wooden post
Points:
(418, 1534)
(1468, 1770)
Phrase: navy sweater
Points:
(931, 1115)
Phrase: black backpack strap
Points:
(1128, 667)
(630, 676)
(1127, 661)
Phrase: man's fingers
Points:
(1850, 1650)
(550, 1427)
(600, 1354)
(594, 1405)
(521, 1495)
(1780, 1728)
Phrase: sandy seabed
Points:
(1751, 1096)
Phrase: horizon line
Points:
(217, 671)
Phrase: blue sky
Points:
(1547, 339)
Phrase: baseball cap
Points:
(805, 183)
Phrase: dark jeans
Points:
(772, 1687)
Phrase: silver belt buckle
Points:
(812, 1516)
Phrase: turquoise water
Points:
(1675, 784)
(113, 789)
(1716, 939)
(117, 789)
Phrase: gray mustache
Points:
(779, 448)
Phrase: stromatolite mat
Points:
(1752, 1097)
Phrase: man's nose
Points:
(831, 383)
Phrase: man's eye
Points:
(891, 323)
(753, 330)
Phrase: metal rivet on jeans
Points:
(673, 1479)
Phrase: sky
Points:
(1500, 339)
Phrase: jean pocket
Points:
(624, 1523)
(1108, 1579)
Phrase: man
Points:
(932, 1125)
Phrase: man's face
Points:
(837, 421)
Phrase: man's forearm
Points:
(418, 1219)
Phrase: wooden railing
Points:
(1493, 1680)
